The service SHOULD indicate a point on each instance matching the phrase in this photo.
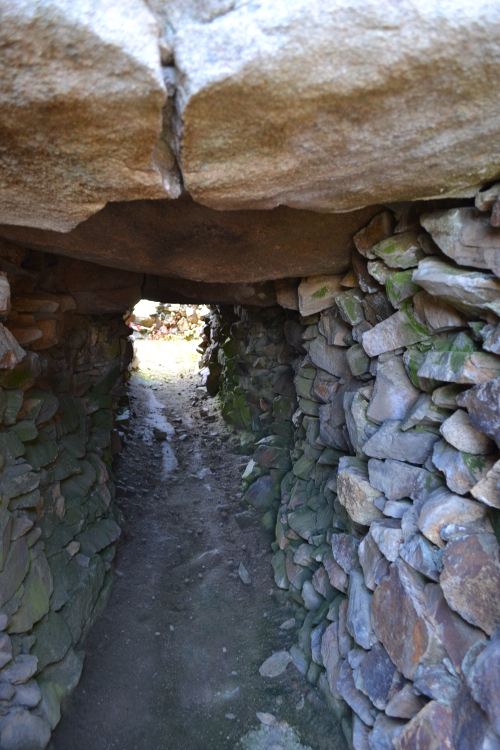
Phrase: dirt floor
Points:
(173, 662)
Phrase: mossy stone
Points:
(38, 587)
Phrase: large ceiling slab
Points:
(186, 240)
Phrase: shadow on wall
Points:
(61, 380)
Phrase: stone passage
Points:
(373, 401)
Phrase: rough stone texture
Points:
(331, 657)
(96, 111)
(397, 480)
(316, 293)
(369, 557)
(430, 729)
(460, 367)
(228, 89)
(484, 681)
(466, 236)
(380, 677)
(444, 507)
(471, 578)
(462, 470)
(355, 492)
(23, 730)
(414, 446)
(400, 622)
(358, 613)
(423, 590)
(459, 432)
(401, 329)
(394, 393)
(483, 405)
(438, 315)
(470, 724)
(470, 291)
(352, 696)
(421, 555)
(329, 358)
(176, 238)
(453, 631)
(388, 537)
(404, 704)
(487, 489)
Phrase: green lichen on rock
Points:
(320, 293)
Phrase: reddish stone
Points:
(430, 729)
(400, 622)
(471, 579)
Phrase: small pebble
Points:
(172, 628)
(265, 718)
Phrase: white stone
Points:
(288, 102)
(275, 664)
(394, 394)
(459, 432)
(470, 291)
(81, 94)
(443, 508)
(466, 236)
(355, 492)
(316, 293)
(488, 489)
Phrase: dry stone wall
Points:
(61, 379)
(387, 520)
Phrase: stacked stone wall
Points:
(61, 380)
(388, 519)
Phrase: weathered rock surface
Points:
(388, 536)
(290, 49)
(460, 367)
(444, 507)
(488, 488)
(316, 293)
(484, 681)
(439, 316)
(109, 93)
(352, 696)
(404, 704)
(163, 238)
(330, 358)
(483, 404)
(400, 622)
(458, 635)
(355, 492)
(331, 657)
(380, 677)
(275, 664)
(471, 578)
(462, 470)
(359, 612)
(413, 446)
(401, 329)
(466, 236)
(431, 729)
(393, 394)
(421, 555)
(459, 432)
(369, 557)
(396, 479)
(471, 291)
